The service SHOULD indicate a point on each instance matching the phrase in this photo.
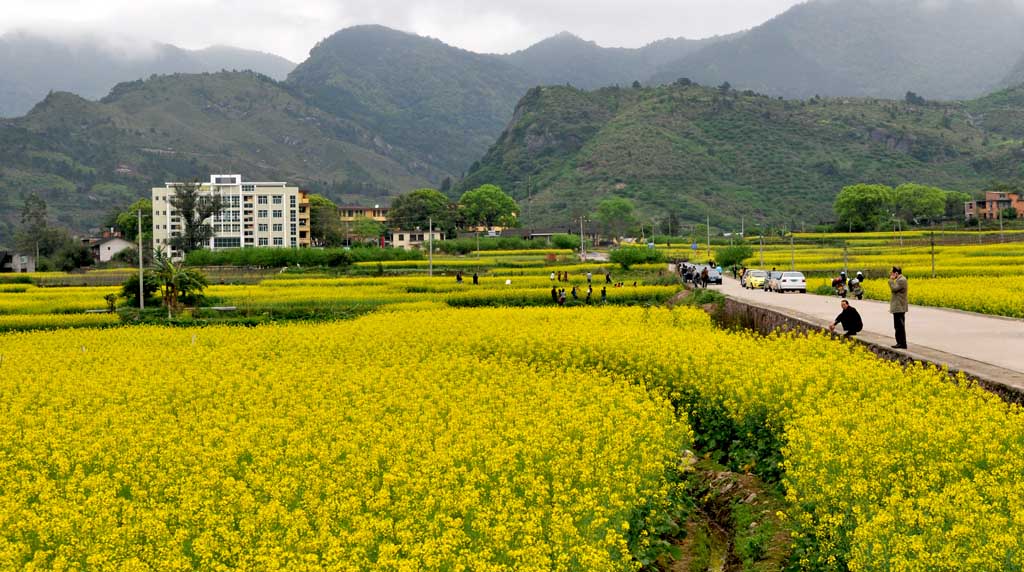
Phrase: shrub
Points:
(628, 256)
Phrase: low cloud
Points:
(290, 28)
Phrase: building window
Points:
(262, 199)
(278, 227)
(291, 216)
(278, 214)
(292, 229)
(401, 237)
(263, 242)
(227, 242)
(278, 200)
(262, 213)
(278, 241)
(262, 228)
(248, 188)
(291, 201)
(294, 242)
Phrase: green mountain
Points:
(1000, 112)
(32, 66)
(1016, 75)
(87, 157)
(444, 103)
(953, 49)
(565, 58)
(695, 151)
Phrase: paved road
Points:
(986, 339)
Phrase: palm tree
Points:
(176, 281)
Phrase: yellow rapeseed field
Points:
(422, 438)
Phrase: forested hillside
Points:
(87, 157)
(700, 151)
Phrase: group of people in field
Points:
(559, 295)
(850, 318)
(699, 278)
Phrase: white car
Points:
(794, 281)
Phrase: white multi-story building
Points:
(254, 215)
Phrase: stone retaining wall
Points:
(738, 314)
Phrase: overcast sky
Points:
(291, 27)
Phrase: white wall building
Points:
(255, 214)
(414, 239)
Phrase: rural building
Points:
(413, 239)
(15, 262)
(349, 213)
(993, 203)
(104, 249)
(255, 214)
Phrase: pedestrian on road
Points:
(554, 294)
(574, 295)
(608, 278)
(849, 318)
(476, 279)
(898, 306)
(604, 294)
(590, 277)
(458, 277)
(552, 276)
(704, 277)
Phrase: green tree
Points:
(627, 256)
(325, 226)
(34, 234)
(916, 203)
(489, 206)
(733, 255)
(415, 209)
(130, 288)
(616, 215)
(955, 204)
(366, 229)
(194, 208)
(863, 207)
(127, 221)
(177, 283)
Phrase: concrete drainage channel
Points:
(732, 313)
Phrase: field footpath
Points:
(988, 348)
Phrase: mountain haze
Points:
(951, 49)
(566, 58)
(32, 66)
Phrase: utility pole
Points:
(1001, 237)
(430, 242)
(583, 244)
(528, 197)
(792, 253)
(933, 254)
(846, 259)
(142, 296)
(709, 237)
(760, 235)
(742, 228)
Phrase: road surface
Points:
(938, 335)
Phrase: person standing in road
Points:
(849, 318)
(898, 306)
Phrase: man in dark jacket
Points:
(849, 318)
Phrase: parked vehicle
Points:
(772, 275)
(755, 279)
(789, 282)
(714, 276)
